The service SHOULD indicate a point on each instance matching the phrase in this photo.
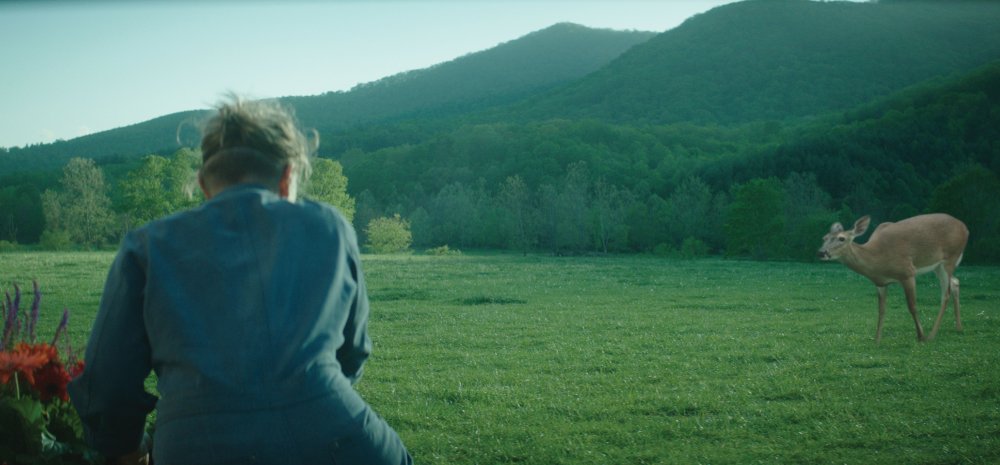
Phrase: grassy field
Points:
(493, 359)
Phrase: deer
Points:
(899, 252)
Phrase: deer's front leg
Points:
(881, 313)
(953, 284)
(910, 289)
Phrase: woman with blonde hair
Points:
(252, 311)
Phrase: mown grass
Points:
(489, 359)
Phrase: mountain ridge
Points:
(365, 102)
(756, 60)
(778, 59)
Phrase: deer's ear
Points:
(861, 225)
(836, 228)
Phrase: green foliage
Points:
(808, 215)
(692, 247)
(968, 196)
(328, 184)
(519, 217)
(55, 239)
(794, 59)
(21, 218)
(694, 212)
(40, 434)
(756, 219)
(159, 186)
(885, 159)
(453, 214)
(664, 250)
(609, 209)
(485, 79)
(82, 208)
(157, 136)
(566, 208)
(442, 251)
(388, 235)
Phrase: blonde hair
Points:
(253, 141)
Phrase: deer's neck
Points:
(865, 262)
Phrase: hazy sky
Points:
(71, 68)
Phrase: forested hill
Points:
(747, 61)
(778, 60)
(163, 135)
(502, 74)
(745, 130)
(764, 189)
(510, 70)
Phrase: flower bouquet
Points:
(39, 425)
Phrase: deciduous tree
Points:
(609, 211)
(328, 184)
(515, 202)
(756, 219)
(158, 187)
(82, 208)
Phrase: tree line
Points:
(83, 208)
(767, 189)
(579, 211)
(583, 213)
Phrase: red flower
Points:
(22, 360)
(51, 381)
(39, 366)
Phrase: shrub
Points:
(388, 235)
(692, 247)
(442, 251)
(55, 240)
(664, 250)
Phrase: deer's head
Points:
(838, 240)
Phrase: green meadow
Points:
(495, 359)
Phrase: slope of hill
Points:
(778, 60)
(888, 156)
(895, 149)
(163, 135)
(929, 146)
(512, 70)
(747, 61)
(539, 60)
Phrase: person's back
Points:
(252, 311)
(244, 300)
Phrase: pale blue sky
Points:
(75, 67)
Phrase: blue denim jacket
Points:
(246, 303)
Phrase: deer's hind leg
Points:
(944, 278)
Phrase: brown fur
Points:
(898, 252)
